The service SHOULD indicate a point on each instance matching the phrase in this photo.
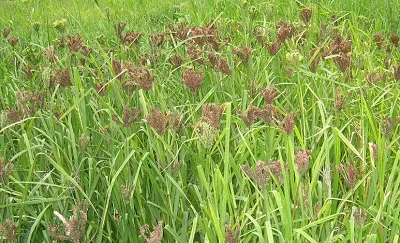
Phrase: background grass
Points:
(52, 172)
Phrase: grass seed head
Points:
(394, 38)
(396, 72)
(302, 160)
(230, 235)
(379, 40)
(176, 60)
(288, 122)
(158, 121)
(5, 169)
(274, 47)
(243, 53)
(6, 31)
(252, 115)
(343, 62)
(157, 39)
(306, 14)
(75, 42)
(62, 77)
(130, 115)
(193, 80)
(212, 114)
(10, 232)
(141, 75)
(13, 40)
(207, 134)
(155, 236)
(219, 64)
(75, 227)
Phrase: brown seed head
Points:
(212, 114)
(176, 60)
(306, 14)
(141, 75)
(130, 115)
(394, 38)
(219, 64)
(288, 122)
(193, 80)
(154, 237)
(243, 53)
(274, 47)
(269, 94)
(157, 39)
(230, 235)
(75, 42)
(158, 121)
(6, 31)
(252, 115)
(62, 77)
(379, 39)
(5, 169)
(343, 62)
(11, 232)
(13, 40)
(396, 72)
(73, 228)
(302, 160)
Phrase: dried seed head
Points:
(306, 14)
(193, 80)
(127, 191)
(75, 42)
(158, 121)
(13, 40)
(157, 39)
(130, 115)
(154, 237)
(13, 116)
(141, 75)
(73, 228)
(5, 169)
(50, 54)
(10, 233)
(176, 60)
(302, 160)
(6, 31)
(269, 114)
(388, 124)
(62, 77)
(340, 100)
(284, 31)
(359, 216)
(130, 37)
(316, 58)
(374, 150)
(212, 114)
(252, 115)
(394, 38)
(288, 122)
(263, 172)
(274, 47)
(396, 72)
(269, 94)
(84, 141)
(101, 88)
(243, 53)
(219, 64)
(343, 62)
(261, 35)
(379, 39)
(117, 67)
(230, 235)
(349, 174)
(195, 54)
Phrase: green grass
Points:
(53, 170)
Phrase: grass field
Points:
(199, 121)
